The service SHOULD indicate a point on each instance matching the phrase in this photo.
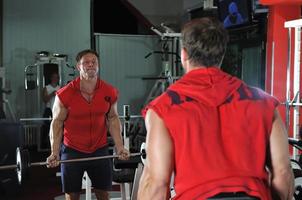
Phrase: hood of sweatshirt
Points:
(209, 86)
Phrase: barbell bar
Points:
(49, 118)
(35, 119)
(23, 161)
(84, 159)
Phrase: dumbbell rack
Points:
(295, 102)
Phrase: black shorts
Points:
(99, 171)
(233, 196)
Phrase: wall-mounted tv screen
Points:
(234, 13)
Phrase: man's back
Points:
(220, 138)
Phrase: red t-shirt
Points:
(85, 126)
(220, 129)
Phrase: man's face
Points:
(54, 78)
(88, 66)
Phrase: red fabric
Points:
(280, 2)
(220, 128)
(85, 127)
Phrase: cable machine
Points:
(295, 103)
(37, 76)
(171, 70)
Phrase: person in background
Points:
(84, 110)
(234, 17)
(49, 93)
(221, 137)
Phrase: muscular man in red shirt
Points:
(218, 135)
(83, 111)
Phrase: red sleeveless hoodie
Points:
(220, 128)
(85, 126)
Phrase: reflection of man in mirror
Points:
(234, 17)
(49, 93)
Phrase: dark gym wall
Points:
(1, 49)
(1, 28)
(113, 17)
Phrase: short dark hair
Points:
(205, 41)
(84, 52)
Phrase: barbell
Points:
(126, 117)
(23, 161)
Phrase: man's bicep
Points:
(112, 111)
(59, 111)
(159, 148)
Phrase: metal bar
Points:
(87, 186)
(296, 114)
(84, 159)
(295, 104)
(293, 23)
(156, 31)
(172, 34)
(168, 29)
(35, 119)
(49, 119)
(137, 176)
(131, 116)
(287, 115)
(4, 167)
(273, 68)
(126, 125)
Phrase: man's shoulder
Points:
(164, 100)
(260, 92)
(160, 105)
(108, 90)
(103, 83)
(69, 87)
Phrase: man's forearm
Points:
(115, 130)
(56, 134)
(152, 189)
(283, 184)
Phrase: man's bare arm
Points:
(46, 97)
(155, 180)
(114, 125)
(282, 182)
(56, 131)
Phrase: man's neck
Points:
(191, 67)
(88, 85)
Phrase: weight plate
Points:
(25, 162)
(143, 152)
(19, 163)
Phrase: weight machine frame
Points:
(295, 102)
